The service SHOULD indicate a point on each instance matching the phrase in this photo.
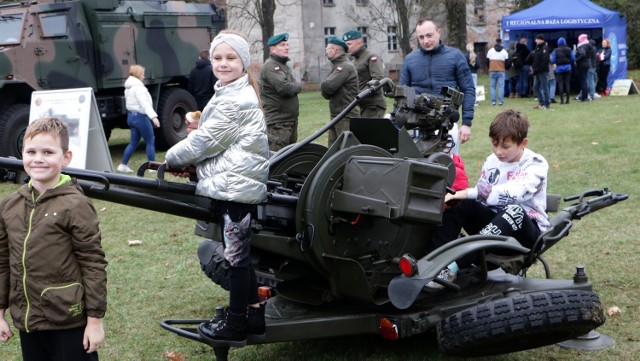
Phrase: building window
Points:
(392, 38)
(478, 4)
(328, 3)
(362, 2)
(327, 33)
(365, 38)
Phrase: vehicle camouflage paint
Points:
(59, 44)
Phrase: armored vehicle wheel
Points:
(173, 105)
(520, 322)
(13, 123)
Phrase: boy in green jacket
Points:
(52, 266)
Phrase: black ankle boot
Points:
(255, 320)
(232, 331)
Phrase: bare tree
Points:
(246, 15)
(379, 15)
(457, 22)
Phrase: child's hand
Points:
(93, 334)
(5, 331)
(192, 119)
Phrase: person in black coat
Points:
(540, 70)
(201, 80)
(583, 63)
(522, 52)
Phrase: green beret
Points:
(352, 35)
(274, 40)
(337, 41)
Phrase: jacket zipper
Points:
(24, 268)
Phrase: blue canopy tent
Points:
(569, 19)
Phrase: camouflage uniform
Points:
(279, 93)
(341, 88)
(369, 67)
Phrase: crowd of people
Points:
(242, 121)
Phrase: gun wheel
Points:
(520, 322)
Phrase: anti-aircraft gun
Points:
(340, 242)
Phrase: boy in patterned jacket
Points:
(511, 194)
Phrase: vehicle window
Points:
(54, 24)
(10, 28)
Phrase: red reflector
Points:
(408, 265)
(264, 293)
(388, 329)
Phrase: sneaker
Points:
(500, 104)
(123, 168)
(446, 274)
(493, 104)
(539, 106)
(476, 104)
(596, 96)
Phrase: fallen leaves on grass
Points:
(134, 242)
(174, 356)
(613, 310)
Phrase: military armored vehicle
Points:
(339, 245)
(59, 44)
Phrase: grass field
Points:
(588, 145)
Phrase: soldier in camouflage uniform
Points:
(279, 93)
(369, 67)
(340, 87)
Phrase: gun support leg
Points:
(221, 353)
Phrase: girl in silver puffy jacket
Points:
(230, 150)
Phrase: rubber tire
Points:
(14, 120)
(173, 105)
(520, 322)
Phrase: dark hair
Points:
(204, 54)
(424, 20)
(499, 41)
(509, 125)
(52, 126)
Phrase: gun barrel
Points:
(106, 179)
(153, 194)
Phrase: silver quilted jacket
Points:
(230, 148)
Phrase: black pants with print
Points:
(475, 218)
(243, 287)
